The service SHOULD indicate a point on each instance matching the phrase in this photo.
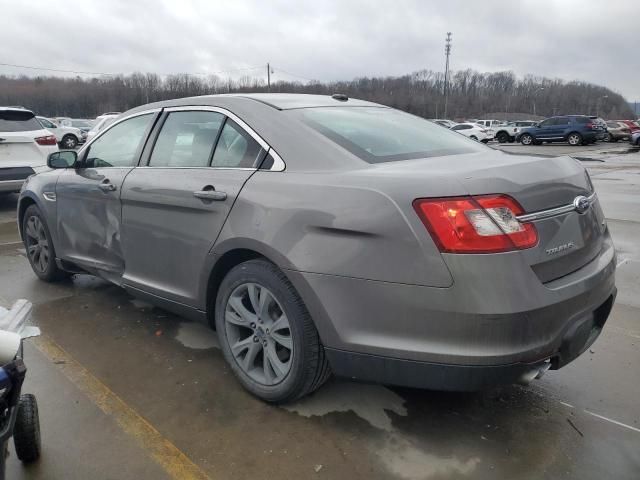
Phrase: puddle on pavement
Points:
(404, 460)
(197, 336)
(369, 402)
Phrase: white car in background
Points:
(443, 122)
(474, 131)
(67, 137)
(100, 123)
(24, 147)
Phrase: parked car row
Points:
(27, 139)
(572, 129)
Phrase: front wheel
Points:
(26, 435)
(69, 142)
(267, 335)
(526, 139)
(502, 137)
(574, 139)
(39, 247)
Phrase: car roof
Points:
(14, 109)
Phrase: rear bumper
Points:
(12, 178)
(493, 324)
(452, 377)
(8, 186)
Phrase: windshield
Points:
(378, 134)
(18, 121)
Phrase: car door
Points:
(560, 128)
(545, 129)
(174, 207)
(88, 197)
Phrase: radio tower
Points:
(447, 52)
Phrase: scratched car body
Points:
(326, 234)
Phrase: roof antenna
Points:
(341, 97)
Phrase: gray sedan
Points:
(324, 235)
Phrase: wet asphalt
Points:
(581, 422)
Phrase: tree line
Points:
(471, 94)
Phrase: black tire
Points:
(526, 139)
(503, 137)
(575, 139)
(69, 142)
(26, 434)
(309, 367)
(473, 137)
(47, 271)
(608, 138)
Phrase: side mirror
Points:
(62, 159)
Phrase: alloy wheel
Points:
(69, 142)
(527, 139)
(37, 244)
(574, 139)
(258, 333)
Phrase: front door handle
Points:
(210, 194)
(107, 186)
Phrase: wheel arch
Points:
(231, 253)
(26, 200)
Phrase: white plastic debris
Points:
(15, 319)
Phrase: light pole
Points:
(534, 99)
(447, 52)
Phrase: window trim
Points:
(278, 163)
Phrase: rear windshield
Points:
(17, 121)
(378, 134)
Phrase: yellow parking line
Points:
(165, 453)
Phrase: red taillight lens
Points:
(483, 224)
(48, 140)
(589, 125)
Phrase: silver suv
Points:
(326, 234)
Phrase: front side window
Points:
(562, 121)
(186, 139)
(46, 123)
(119, 146)
(378, 134)
(548, 123)
(236, 148)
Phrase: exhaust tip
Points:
(534, 374)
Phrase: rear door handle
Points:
(107, 186)
(210, 194)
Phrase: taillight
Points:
(589, 125)
(481, 224)
(48, 140)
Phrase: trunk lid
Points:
(567, 241)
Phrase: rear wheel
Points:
(69, 142)
(526, 139)
(267, 335)
(26, 434)
(574, 139)
(608, 138)
(39, 247)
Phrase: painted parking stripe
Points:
(615, 422)
(166, 454)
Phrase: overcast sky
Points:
(327, 39)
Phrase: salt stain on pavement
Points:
(197, 336)
(369, 402)
(403, 459)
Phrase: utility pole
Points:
(268, 77)
(447, 52)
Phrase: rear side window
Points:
(119, 146)
(18, 121)
(186, 139)
(378, 134)
(236, 148)
(582, 120)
